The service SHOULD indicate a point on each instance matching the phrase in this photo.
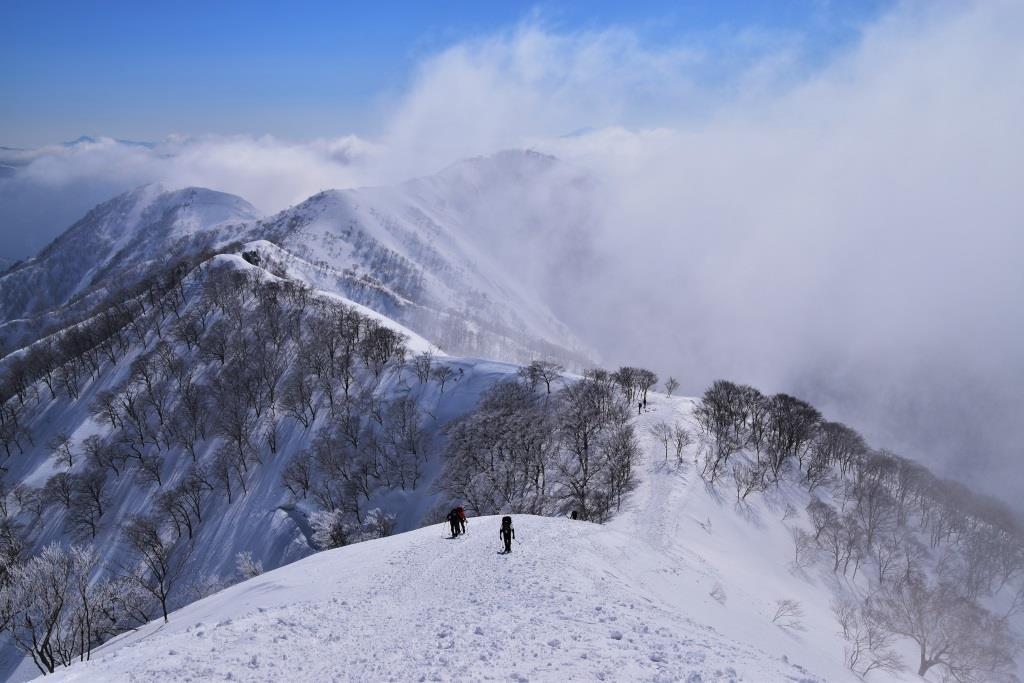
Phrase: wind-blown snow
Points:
(416, 252)
(574, 601)
(435, 255)
(414, 342)
(127, 237)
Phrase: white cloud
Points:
(852, 234)
(850, 230)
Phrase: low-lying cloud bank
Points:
(848, 231)
(49, 188)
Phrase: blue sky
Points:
(143, 70)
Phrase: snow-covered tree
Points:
(246, 566)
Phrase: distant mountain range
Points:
(433, 253)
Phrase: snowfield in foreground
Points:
(629, 600)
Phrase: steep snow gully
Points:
(629, 600)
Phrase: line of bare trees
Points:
(527, 450)
(60, 604)
(212, 368)
(275, 354)
(923, 555)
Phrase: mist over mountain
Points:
(424, 253)
(844, 231)
(723, 307)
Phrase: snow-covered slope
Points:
(257, 514)
(427, 254)
(134, 233)
(117, 244)
(630, 600)
(435, 254)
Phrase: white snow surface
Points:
(629, 600)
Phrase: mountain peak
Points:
(509, 161)
(150, 221)
(80, 140)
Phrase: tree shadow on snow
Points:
(749, 513)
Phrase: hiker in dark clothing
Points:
(639, 406)
(453, 520)
(507, 533)
(462, 519)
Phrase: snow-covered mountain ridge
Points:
(289, 372)
(115, 246)
(431, 254)
(629, 600)
(137, 232)
(209, 327)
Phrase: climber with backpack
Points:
(454, 521)
(462, 519)
(507, 533)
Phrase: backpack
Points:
(506, 522)
(461, 513)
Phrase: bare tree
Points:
(380, 345)
(421, 366)
(805, 549)
(598, 448)
(158, 567)
(681, 438)
(835, 445)
(101, 456)
(247, 567)
(671, 384)
(868, 645)
(43, 593)
(105, 408)
(720, 421)
(174, 506)
(747, 478)
(58, 489)
(951, 631)
(441, 374)
(222, 471)
(88, 501)
(298, 398)
(60, 444)
(297, 475)
(148, 469)
(187, 424)
(821, 515)
(842, 538)
(792, 426)
(788, 614)
(627, 380)
(501, 455)
(29, 499)
(547, 372)
(663, 434)
(52, 605)
(645, 381)
(216, 344)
